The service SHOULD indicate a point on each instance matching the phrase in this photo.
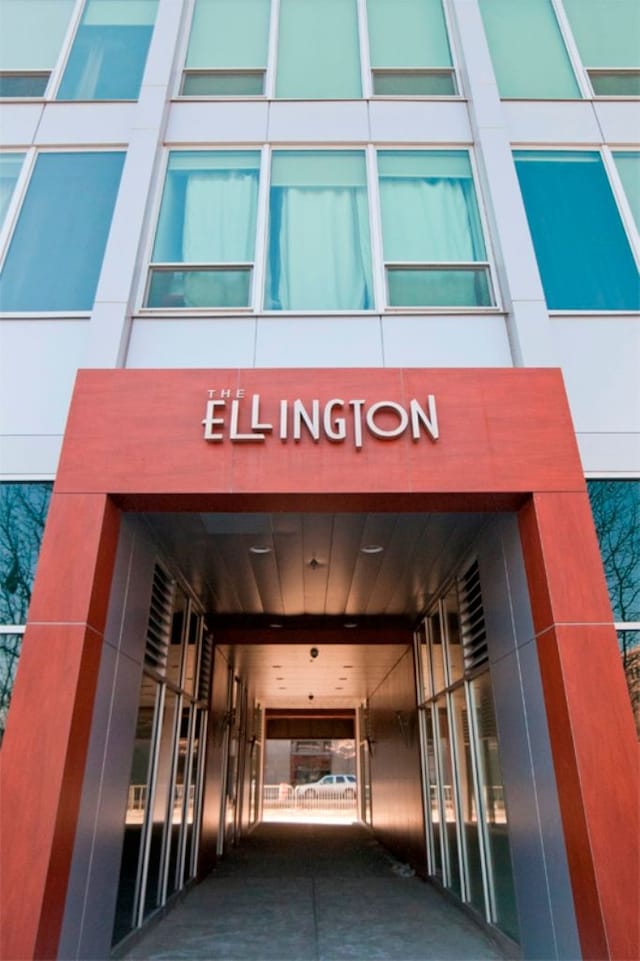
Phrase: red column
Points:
(45, 744)
(593, 741)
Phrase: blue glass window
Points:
(204, 248)
(409, 48)
(55, 256)
(319, 254)
(318, 50)
(583, 253)
(10, 164)
(228, 48)
(109, 51)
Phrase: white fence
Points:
(281, 797)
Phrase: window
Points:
(528, 53)
(228, 48)
(204, 247)
(55, 255)
(434, 250)
(583, 254)
(30, 42)
(409, 48)
(628, 164)
(607, 33)
(318, 50)
(23, 511)
(616, 513)
(319, 255)
(109, 51)
(467, 820)
(10, 164)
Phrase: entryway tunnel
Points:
(375, 632)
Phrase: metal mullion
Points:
(455, 763)
(444, 845)
(165, 854)
(578, 68)
(145, 843)
(182, 840)
(203, 718)
(272, 52)
(375, 230)
(485, 853)
(424, 769)
(365, 58)
(261, 239)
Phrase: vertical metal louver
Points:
(472, 627)
(206, 665)
(159, 623)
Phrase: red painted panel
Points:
(43, 752)
(47, 735)
(590, 721)
(78, 552)
(140, 431)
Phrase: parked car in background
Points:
(329, 786)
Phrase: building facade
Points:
(323, 317)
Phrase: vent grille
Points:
(206, 664)
(159, 623)
(472, 627)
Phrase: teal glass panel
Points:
(223, 83)
(615, 83)
(429, 207)
(23, 84)
(10, 647)
(430, 287)
(56, 251)
(229, 33)
(414, 83)
(207, 216)
(528, 53)
(23, 512)
(199, 288)
(318, 50)
(407, 33)
(616, 513)
(607, 32)
(583, 253)
(628, 164)
(319, 251)
(493, 808)
(10, 164)
(32, 33)
(109, 52)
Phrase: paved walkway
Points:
(309, 892)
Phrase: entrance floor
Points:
(310, 892)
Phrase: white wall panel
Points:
(38, 362)
(619, 121)
(19, 124)
(213, 123)
(224, 342)
(454, 341)
(85, 123)
(319, 342)
(552, 122)
(431, 122)
(299, 121)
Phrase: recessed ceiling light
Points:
(339, 689)
(343, 678)
(282, 688)
(350, 624)
(372, 549)
(347, 666)
(276, 667)
(275, 624)
(279, 679)
(260, 549)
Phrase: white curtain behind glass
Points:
(319, 249)
(219, 224)
(430, 220)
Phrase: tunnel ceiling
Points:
(318, 564)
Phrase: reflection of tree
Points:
(23, 511)
(616, 512)
(10, 645)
